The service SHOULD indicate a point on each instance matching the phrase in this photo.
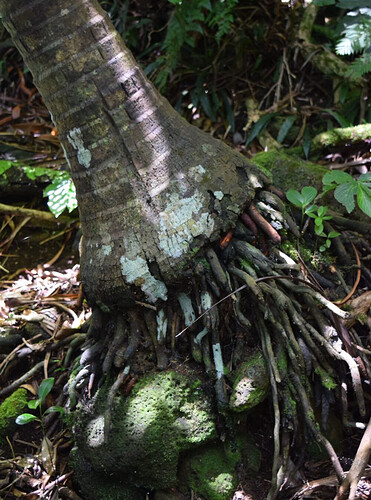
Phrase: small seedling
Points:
(44, 389)
(302, 200)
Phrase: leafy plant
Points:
(347, 189)
(61, 192)
(44, 389)
(302, 200)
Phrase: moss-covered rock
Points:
(165, 414)
(212, 471)
(290, 172)
(251, 384)
(9, 411)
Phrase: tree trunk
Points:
(151, 188)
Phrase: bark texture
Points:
(151, 188)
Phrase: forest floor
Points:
(41, 307)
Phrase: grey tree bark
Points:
(151, 188)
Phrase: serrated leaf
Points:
(308, 194)
(5, 165)
(25, 418)
(364, 199)
(45, 387)
(295, 197)
(336, 176)
(345, 193)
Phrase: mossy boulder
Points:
(290, 172)
(211, 471)
(250, 385)
(9, 411)
(166, 414)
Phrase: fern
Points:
(361, 65)
(356, 34)
(186, 24)
(222, 17)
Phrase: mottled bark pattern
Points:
(150, 186)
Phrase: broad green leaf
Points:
(345, 193)
(308, 194)
(364, 199)
(25, 418)
(365, 177)
(55, 409)
(259, 127)
(45, 387)
(287, 124)
(34, 403)
(295, 197)
(61, 195)
(322, 211)
(5, 165)
(337, 176)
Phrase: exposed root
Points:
(301, 331)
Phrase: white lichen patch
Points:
(182, 220)
(64, 12)
(75, 139)
(161, 326)
(208, 149)
(218, 195)
(95, 432)
(136, 271)
(218, 360)
(106, 249)
(187, 308)
(197, 172)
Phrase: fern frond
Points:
(360, 66)
(356, 33)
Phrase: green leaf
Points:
(61, 195)
(333, 234)
(259, 126)
(25, 418)
(34, 403)
(308, 194)
(365, 177)
(318, 228)
(5, 165)
(364, 199)
(336, 176)
(45, 387)
(343, 122)
(295, 197)
(345, 193)
(55, 409)
(322, 3)
(307, 142)
(287, 124)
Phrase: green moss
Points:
(213, 472)
(251, 384)
(165, 414)
(290, 172)
(326, 380)
(9, 411)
